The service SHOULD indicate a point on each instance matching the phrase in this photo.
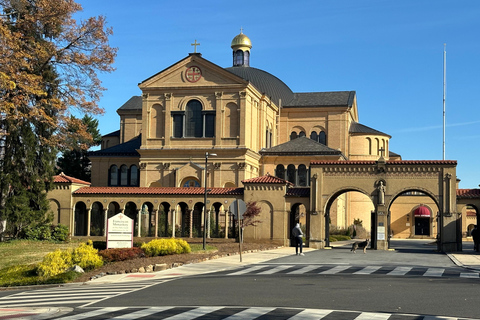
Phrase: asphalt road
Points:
(410, 294)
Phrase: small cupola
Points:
(241, 46)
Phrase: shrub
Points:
(37, 232)
(86, 256)
(60, 233)
(54, 263)
(59, 261)
(162, 247)
(121, 254)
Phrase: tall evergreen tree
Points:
(75, 162)
(48, 65)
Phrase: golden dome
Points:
(241, 40)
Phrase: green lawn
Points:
(25, 252)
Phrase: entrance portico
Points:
(383, 181)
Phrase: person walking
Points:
(298, 236)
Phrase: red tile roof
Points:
(157, 191)
(63, 178)
(397, 162)
(468, 193)
(267, 179)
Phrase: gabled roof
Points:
(468, 193)
(268, 179)
(299, 147)
(356, 127)
(322, 99)
(158, 191)
(63, 178)
(112, 134)
(127, 149)
(134, 103)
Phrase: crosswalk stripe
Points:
(142, 313)
(250, 313)
(399, 271)
(311, 314)
(73, 294)
(46, 303)
(275, 270)
(192, 314)
(93, 313)
(368, 270)
(335, 270)
(247, 270)
(469, 275)
(43, 298)
(434, 272)
(373, 316)
(304, 269)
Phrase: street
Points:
(412, 280)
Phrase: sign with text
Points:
(119, 232)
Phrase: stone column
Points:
(139, 220)
(156, 213)
(208, 224)
(105, 223)
(89, 221)
(226, 224)
(174, 220)
(190, 233)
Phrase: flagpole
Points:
(444, 90)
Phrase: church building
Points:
(199, 130)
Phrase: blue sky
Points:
(389, 52)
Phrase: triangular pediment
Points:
(193, 71)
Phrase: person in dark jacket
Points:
(476, 238)
(297, 234)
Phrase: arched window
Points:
(246, 58)
(291, 173)
(302, 134)
(280, 171)
(193, 119)
(314, 136)
(302, 175)
(134, 175)
(238, 58)
(124, 175)
(193, 122)
(293, 135)
(113, 175)
(322, 138)
(369, 141)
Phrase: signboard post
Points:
(238, 208)
(119, 232)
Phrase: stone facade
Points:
(302, 157)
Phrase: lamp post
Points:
(205, 201)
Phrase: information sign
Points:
(119, 232)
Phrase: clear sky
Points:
(389, 52)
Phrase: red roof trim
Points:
(267, 179)
(393, 162)
(157, 191)
(468, 193)
(63, 178)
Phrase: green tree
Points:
(75, 162)
(48, 67)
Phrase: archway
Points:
(349, 213)
(81, 219)
(298, 214)
(97, 219)
(163, 230)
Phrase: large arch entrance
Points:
(383, 182)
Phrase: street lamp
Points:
(205, 201)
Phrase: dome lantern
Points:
(241, 46)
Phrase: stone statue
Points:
(381, 193)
